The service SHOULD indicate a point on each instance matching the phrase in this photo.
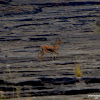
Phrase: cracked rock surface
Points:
(25, 25)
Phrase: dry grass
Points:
(17, 91)
(78, 72)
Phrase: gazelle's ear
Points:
(58, 39)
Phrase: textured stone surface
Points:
(25, 25)
(23, 9)
(5, 1)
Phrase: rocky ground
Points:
(25, 25)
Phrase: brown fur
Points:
(50, 49)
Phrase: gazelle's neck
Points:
(56, 45)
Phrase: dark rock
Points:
(33, 83)
(52, 4)
(98, 23)
(58, 81)
(91, 80)
(74, 21)
(10, 88)
(4, 39)
(82, 91)
(51, 34)
(5, 1)
(38, 39)
(3, 82)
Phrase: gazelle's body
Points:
(51, 49)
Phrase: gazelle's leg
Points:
(56, 53)
(39, 55)
(52, 57)
(51, 54)
(43, 52)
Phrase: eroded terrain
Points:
(25, 29)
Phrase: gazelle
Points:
(51, 49)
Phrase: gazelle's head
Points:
(58, 41)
